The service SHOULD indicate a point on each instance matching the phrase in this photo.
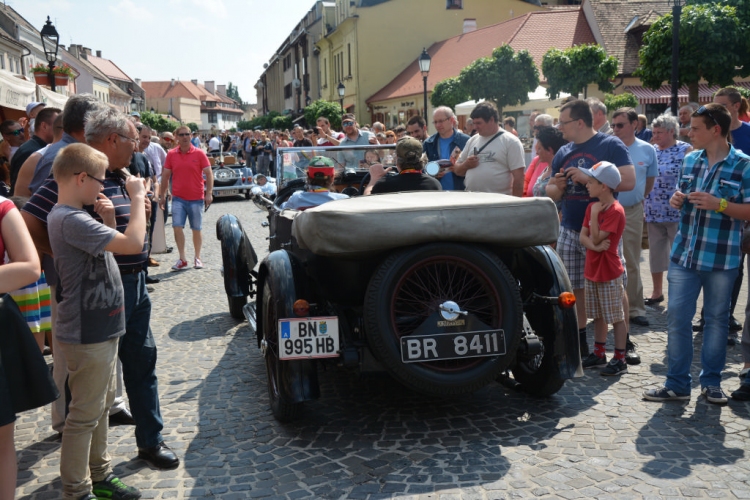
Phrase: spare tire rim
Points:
(431, 283)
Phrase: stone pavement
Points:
(371, 438)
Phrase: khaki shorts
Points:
(604, 300)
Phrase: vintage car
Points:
(445, 291)
(231, 177)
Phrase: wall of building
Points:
(182, 108)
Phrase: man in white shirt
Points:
(492, 161)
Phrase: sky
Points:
(156, 40)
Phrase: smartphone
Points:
(476, 152)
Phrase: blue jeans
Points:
(138, 356)
(684, 287)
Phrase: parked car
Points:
(445, 291)
(231, 178)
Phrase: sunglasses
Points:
(183, 135)
(167, 139)
(16, 132)
(100, 181)
(618, 125)
(347, 124)
(704, 111)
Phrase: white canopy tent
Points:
(16, 93)
(537, 100)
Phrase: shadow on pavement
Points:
(365, 436)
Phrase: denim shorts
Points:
(187, 210)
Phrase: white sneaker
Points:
(198, 263)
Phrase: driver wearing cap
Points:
(410, 162)
(320, 175)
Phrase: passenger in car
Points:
(262, 186)
(320, 176)
(410, 163)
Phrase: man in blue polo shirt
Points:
(713, 196)
(441, 145)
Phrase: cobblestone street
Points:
(370, 438)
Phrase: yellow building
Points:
(372, 41)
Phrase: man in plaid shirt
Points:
(713, 196)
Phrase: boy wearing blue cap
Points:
(602, 230)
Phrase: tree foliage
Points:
(449, 92)
(158, 122)
(625, 100)
(572, 70)
(331, 110)
(281, 122)
(193, 127)
(713, 44)
(233, 93)
(506, 77)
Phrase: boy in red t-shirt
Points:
(601, 233)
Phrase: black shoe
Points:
(732, 338)
(631, 357)
(698, 327)
(742, 394)
(594, 361)
(652, 302)
(734, 325)
(122, 417)
(639, 320)
(160, 456)
(614, 367)
(152, 281)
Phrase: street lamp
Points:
(50, 44)
(424, 67)
(676, 13)
(341, 90)
(133, 105)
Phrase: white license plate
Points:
(226, 192)
(306, 338)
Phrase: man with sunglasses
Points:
(13, 137)
(567, 184)
(713, 196)
(353, 136)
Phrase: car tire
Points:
(457, 271)
(282, 410)
(224, 176)
(539, 375)
(235, 306)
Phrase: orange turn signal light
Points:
(302, 308)
(566, 300)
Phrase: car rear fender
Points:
(238, 256)
(298, 379)
(542, 274)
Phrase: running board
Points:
(249, 311)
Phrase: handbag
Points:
(29, 381)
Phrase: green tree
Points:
(331, 110)
(281, 122)
(572, 70)
(233, 93)
(448, 92)
(712, 46)
(193, 127)
(158, 122)
(506, 78)
(625, 100)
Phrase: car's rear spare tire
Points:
(405, 293)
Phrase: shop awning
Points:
(664, 94)
(14, 92)
(52, 99)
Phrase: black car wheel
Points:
(225, 176)
(539, 375)
(407, 289)
(282, 410)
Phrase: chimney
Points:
(194, 82)
(73, 50)
(87, 51)
(98, 53)
(138, 81)
(172, 82)
(470, 25)
(210, 86)
(221, 89)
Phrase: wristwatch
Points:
(722, 206)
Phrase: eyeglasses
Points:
(347, 124)
(438, 122)
(134, 141)
(183, 135)
(15, 132)
(618, 125)
(565, 123)
(100, 181)
(704, 111)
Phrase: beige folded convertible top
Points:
(368, 224)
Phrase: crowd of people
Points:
(83, 187)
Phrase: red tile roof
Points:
(109, 68)
(536, 32)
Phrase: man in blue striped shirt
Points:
(713, 196)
